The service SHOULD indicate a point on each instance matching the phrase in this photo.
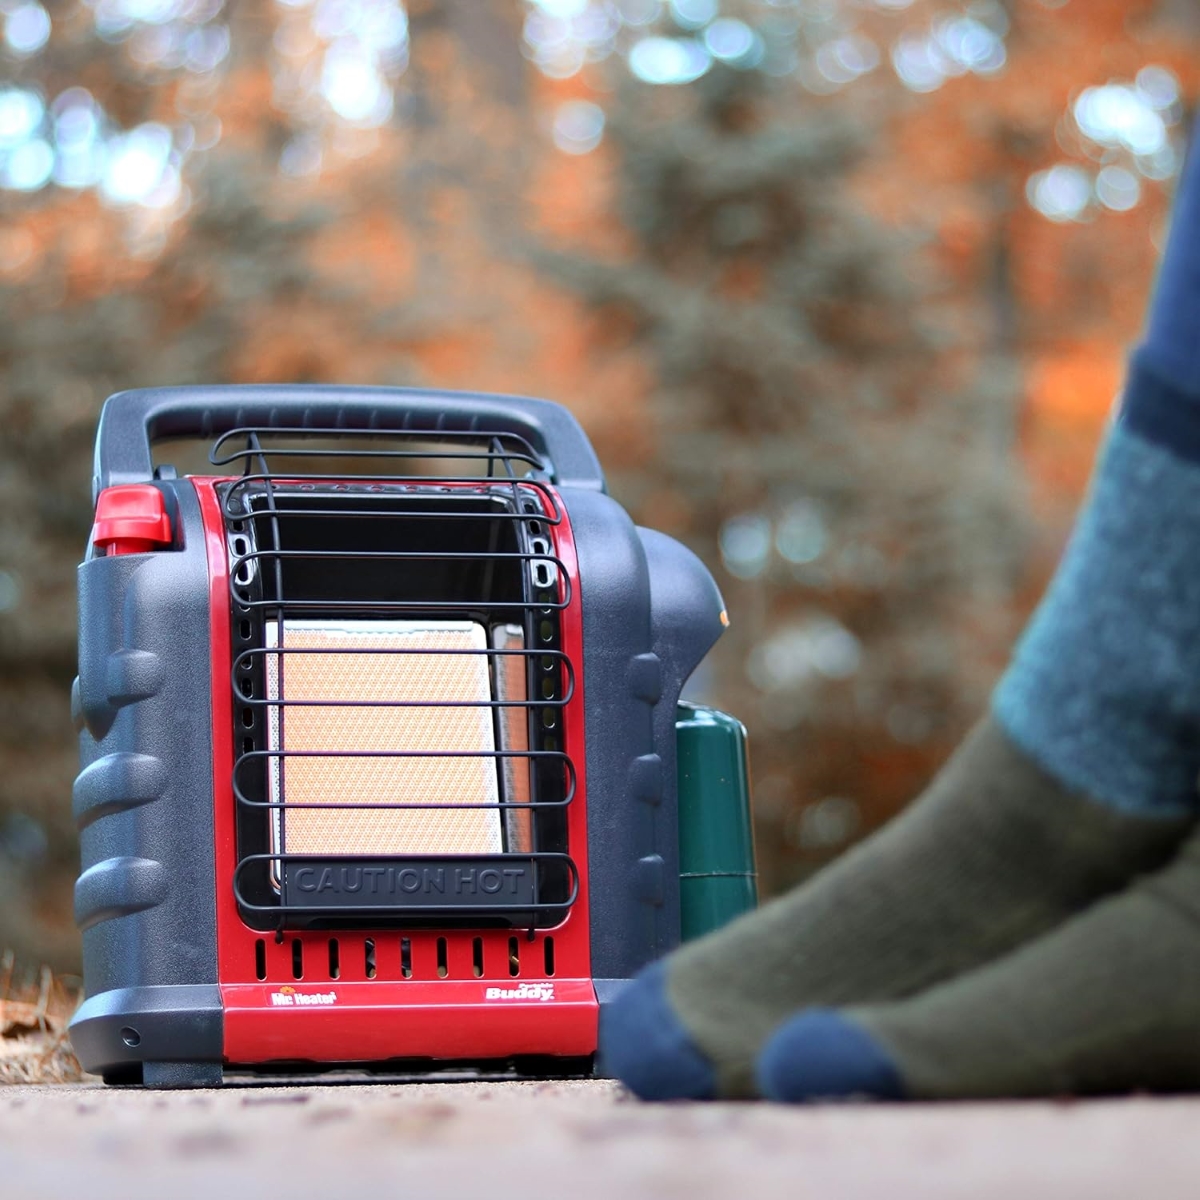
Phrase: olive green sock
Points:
(1108, 1002)
(993, 855)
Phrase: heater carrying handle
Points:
(131, 421)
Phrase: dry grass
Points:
(34, 1010)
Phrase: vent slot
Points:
(477, 957)
(405, 958)
(260, 958)
(297, 959)
(548, 951)
(443, 964)
(514, 956)
(335, 964)
(369, 958)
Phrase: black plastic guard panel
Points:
(476, 884)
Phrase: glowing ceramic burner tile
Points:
(511, 670)
(361, 666)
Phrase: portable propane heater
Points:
(379, 727)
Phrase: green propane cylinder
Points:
(717, 877)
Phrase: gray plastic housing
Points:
(143, 804)
(143, 801)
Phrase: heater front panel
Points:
(367, 987)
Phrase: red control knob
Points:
(131, 518)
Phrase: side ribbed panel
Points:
(634, 904)
(651, 611)
(143, 804)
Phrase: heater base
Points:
(182, 1075)
(439, 1021)
(529, 1068)
(186, 1036)
(164, 1036)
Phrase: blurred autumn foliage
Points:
(816, 330)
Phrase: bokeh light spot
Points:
(1062, 193)
(76, 122)
(824, 825)
(639, 12)
(734, 42)
(694, 14)
(970, 45)
(353, 87)
(578, 126)
(1117, 115)
(846, 58)
(29, 166)
(26, 29)
(10, 591)
(663, 60)
(1118, 189)
(1159, 87)
(745, 543)
(138, 166)
(919, 64)
(562, 10)
(206, 48)
(801, 536)
(818, 648)
(21, 113)
(22, 839)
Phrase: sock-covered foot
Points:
(994, 854)
(1108, 1002)
(1082, 779)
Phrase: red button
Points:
(131, 518)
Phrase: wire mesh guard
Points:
(400, 685)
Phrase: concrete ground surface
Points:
(575, 1141)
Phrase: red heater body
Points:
(378, 736)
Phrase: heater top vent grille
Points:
(459, 454)
(401, 691)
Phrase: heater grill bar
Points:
(505, 448)
(400, 686)
(396, 806)
(237, 513)
(247, 655)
